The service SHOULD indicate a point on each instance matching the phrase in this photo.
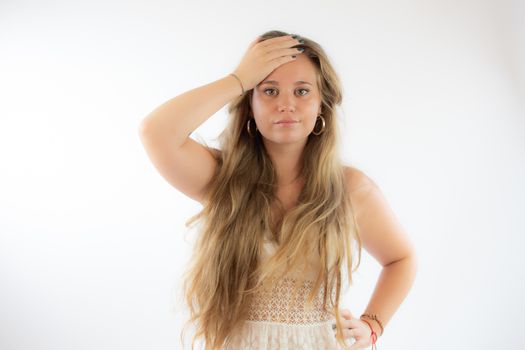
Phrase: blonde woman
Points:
(283, 219)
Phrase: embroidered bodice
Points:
(279, 320)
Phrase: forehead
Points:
(301, 69)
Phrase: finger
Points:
(352, 323)
(284, 42)
(277, 62)
(256, 41)
(346, 314)
(348, 336)
(348, 333)
(276, 40)
(349, 341)
(282, 50)
(356, 346)
(345, 324)
(356, 323)
(282, 53)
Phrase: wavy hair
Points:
(224, 270)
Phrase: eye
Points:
(267, 90)
(271, 89)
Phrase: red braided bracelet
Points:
(373, 335)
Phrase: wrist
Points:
(239, 82)
(374, 325)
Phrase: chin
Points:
(287, 139)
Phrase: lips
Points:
(288, 121)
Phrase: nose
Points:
(286, 103)
(286, 109)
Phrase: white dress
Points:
(276, 321)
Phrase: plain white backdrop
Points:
(92, 238)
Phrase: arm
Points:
(178, 117)
(391, 289)
(383, 237)
(186, 164)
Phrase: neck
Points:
(287, 160)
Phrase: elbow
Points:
(144, 128)
(413, 261)
(409, 260)
(148, 130)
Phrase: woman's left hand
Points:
(357, 329)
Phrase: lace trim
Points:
(277, 304)
(257, 335)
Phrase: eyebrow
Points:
(277, 83)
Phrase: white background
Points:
(92, 238)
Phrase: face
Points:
(290, 92)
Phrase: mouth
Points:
(286, 121)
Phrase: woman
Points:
(280, 212)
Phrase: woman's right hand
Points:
(263, 56)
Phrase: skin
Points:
(381, 233)
(385, 239)
(284, 99)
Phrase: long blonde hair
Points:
(225, 271)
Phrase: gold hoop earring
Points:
(248, 128)
(322, 129)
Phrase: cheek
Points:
(260, 101)
(259, 107)
(263, 112)
(310, 123)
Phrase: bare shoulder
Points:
(357, 180)
(381, 233)
(361, 188)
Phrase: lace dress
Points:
(276, 321)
